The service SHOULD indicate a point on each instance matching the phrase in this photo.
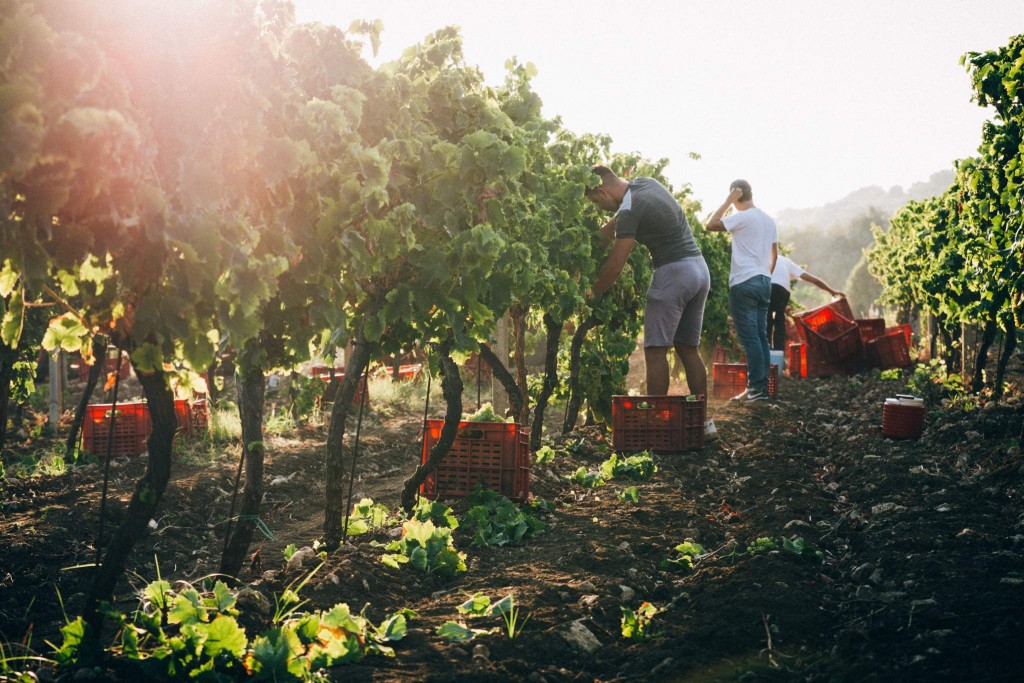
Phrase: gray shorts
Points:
(675, 303)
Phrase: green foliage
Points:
(546, 454)
(686, 553)
(587, 478)
(367, 516)
(493, 519)
(486, 414)
(961, 256)
(932, 382)
(479, 605)
(629, 494)
(636, 624)
(427, 548)
(762, 545)
(183, 633)
(634, 467)
(435, 511)
(802, 549)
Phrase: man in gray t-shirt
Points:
(646, 212)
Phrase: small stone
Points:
(865, 592)
(624, 547)
(662, 666)
(991, 405)
(254, 601)
(1011, 581)
(586, 587)
(876, 577)
(579, 637)
(927, 602)
(481, 650)
(861, 572)
(588, 600)
(796, 522)
(627, 593)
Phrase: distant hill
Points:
(829, 240)
(841, 213)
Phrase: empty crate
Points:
(495, 455)
(730, 379)
(835, 336)
(889, 351)
(131, 429)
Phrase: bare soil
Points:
(922, 575)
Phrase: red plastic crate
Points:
(796, 360)
(494, 454)
(183, 412)
(902, 421)
(908, 333)
(200, 415)
(730, 379)
(334, 383)
(889, 351)
(870, 328)
(663, 424)
(132, 428)
(836, 337)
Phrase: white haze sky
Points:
(807, 99)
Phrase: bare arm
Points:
(608, 232)
(613, 265)
(715, 223)
(775, 256)
(820, 284)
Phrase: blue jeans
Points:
(748, 305)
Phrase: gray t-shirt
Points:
(652, 216)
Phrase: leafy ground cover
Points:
(817, 550)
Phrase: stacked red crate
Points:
(889, 351)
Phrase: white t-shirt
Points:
(786, 271)
(753, 234)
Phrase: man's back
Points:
(753, 233)
(651, 215)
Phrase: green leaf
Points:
(148, 358)
(186, 609)
(8, 279)
(476, 606)
(14, 319)
(460, 633)
(158, 593)
(224, 634)
(394, 628)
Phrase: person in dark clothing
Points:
(782, 277)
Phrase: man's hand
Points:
(734, 195)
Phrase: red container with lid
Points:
(903, 417)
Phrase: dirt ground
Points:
(922, 541)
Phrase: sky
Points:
(809, 100)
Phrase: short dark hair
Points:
(606, 175)
(744, 187)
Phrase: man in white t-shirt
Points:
(784, 273)
(755, 246)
